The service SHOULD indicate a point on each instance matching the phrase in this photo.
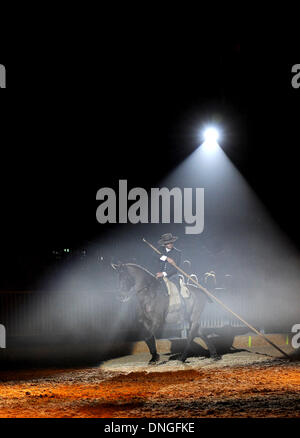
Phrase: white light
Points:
(210, 146)
(211, 135)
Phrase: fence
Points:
(46, 313)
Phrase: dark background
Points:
(79, 115)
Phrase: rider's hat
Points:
(167, 238)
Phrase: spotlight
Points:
(211, 135)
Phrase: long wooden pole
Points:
(220, 302)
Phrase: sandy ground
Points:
(245, 383)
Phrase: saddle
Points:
(184, 290)
(175, 300)
(177, 303)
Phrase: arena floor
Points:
(247, 382)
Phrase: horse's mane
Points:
(141, 267)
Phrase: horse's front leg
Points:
(151, 342)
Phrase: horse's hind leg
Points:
(192, 334)
(211, 347)
(150, 341)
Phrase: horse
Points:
(153, 307)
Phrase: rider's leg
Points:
(185, 317)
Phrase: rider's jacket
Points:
(166, 267)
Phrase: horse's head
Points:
(126, 282)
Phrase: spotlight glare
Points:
(211, 135)
(210, 146)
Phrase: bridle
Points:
(136, 292)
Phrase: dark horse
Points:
(153, 306)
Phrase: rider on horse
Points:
(170, 256)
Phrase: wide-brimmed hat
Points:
(167, 238)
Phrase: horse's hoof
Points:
(154, 360)
(182, 359)
(216, 357)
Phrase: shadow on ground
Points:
(197, 350)
(28, 353)
(295, 356)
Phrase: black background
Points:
(83, 110)
(80, 113)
